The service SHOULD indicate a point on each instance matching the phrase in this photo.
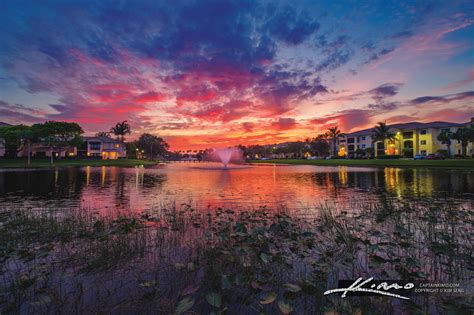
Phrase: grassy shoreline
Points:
(45, 163)
(452, 163)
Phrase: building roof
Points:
(409, 126)
(102, 139)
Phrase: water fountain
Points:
(226, 155)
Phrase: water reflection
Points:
(291, 186)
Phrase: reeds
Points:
(174, 258)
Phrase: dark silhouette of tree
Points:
(16, 138)
(58, 135)
(464, 135)
(333, 133)
(121, 129)
(381, 133)
(446, 137)
(152, 145)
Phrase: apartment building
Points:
(410, 139)
(105, 148)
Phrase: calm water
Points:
(203, 185)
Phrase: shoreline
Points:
(45, 163)
(451, 163)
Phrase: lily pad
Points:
(292, 287)
(285, 307)
(268, 298)
(265, 257)
(214, 299)
(184, 305)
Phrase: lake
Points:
(187, 238)
(295, 187)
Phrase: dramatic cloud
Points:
(384, 91)
(210, 73)
(444, 99)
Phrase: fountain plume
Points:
(227, 155)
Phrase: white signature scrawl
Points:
(358, 286)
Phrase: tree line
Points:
(58, 136)
(325, 144)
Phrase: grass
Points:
(42, 163)
(450, 163)
(181, 260)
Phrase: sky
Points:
(205, 74)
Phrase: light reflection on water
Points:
(208, 185)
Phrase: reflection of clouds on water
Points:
(206, 185)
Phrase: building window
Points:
(423, 142)
(350, 140)
(423, 132)
(117, 146)
(94, 145)
(362, 138)
(423, 152)
(408, 135)
(363, 145)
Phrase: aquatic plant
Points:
(177, 259)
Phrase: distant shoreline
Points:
(45, 163)
(449, 163)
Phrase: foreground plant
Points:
(178, 259)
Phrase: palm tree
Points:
(446, 137)
(333, 133)
(463, 135)
(121, 129)
(381, 133)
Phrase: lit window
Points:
(423, 142)
(423, 132)
(117, 145)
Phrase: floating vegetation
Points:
(183, 260)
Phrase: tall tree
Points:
(297, 148)
(152, 145)
(333, 133)
(381, 133)
(28, 136)
(58, 135)
(464, 135)
(446, 137)
(121, 129)
(16, 138)
(320, 145)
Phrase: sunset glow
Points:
(206, 74)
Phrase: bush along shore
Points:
(43, 163)
(177, 259)
(450, 163)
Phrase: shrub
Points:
(389, 157)
(443, 153)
